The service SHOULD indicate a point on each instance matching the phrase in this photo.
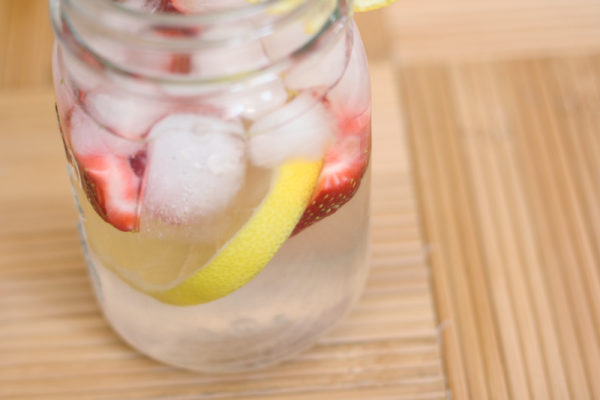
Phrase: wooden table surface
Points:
(485, 277)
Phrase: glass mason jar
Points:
(219, 153)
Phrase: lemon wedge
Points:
(368, 5)
(247, 253)
(317, 17)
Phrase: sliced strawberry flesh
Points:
(343, 169)
(112, 187)
(110, 176)
(180, 64)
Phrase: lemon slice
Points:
(315, 19)
(256, 242)
(368, 5)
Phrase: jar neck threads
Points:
(211, 47)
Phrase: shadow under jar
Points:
(219, 156)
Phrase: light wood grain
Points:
(25, 44)
(510, 204)
(500, 101)
(425, 31)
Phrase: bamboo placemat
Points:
(501, 104)
(507, 158)
(54, 343)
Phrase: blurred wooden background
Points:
(487, 130)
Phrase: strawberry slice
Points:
(343, 169)
(112, 185)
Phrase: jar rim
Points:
(98, 12)
(248, 9)
(213, 17)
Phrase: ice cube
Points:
(292, 34)
(196, 166)
(351, 96)
(222, 61)
(285, 40)
(225, 61)
(321, 68)
(88, 138)
(253, 100)
(302, 128)
(125, 114)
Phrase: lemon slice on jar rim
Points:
(319, 15)
(368, 5)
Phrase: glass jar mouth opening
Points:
(214, 15)
(259, 18)
(180, 33)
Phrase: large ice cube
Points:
(253, 100)
(196, 166)
(225, 60)
(302, 128)
(321, 68)
(292, 34)
(88, 138)
(285, 40)
(351, 96)
(125, 114)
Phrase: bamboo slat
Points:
(506, 164)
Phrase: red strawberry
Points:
(180, 64)
(112, 187)
(344, 166)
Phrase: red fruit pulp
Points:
(112, 188)
(343, 169)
